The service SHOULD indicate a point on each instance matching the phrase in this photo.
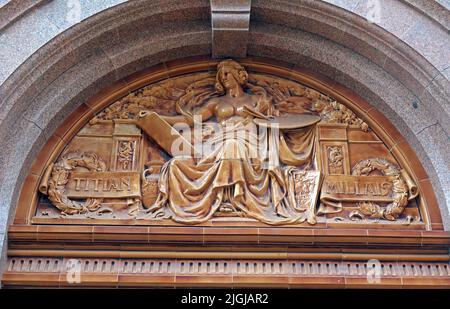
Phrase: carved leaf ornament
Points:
(400, 188)
(59, 178)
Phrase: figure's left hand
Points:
(144, 113)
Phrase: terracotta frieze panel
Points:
(230, 145)
(243, 173)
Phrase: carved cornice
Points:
(225, 257)
(124, 272)
(21, 234)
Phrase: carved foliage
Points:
(59, 178)
(400, 188)
(335, 159)
(160, 97)
(125, 155)
(287, 96)
(295, 98)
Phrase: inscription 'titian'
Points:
(103, 184)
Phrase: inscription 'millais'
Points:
(375, 187)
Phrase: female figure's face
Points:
(227, 77)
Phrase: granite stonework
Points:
(65, 14)
(125, 51)
(53, 60)
(8, 63)
(46, 109)
(434, 47)
(437, 144)
(438, 10)
(4, 213)
(438, 90)
(13, 10)
(357, 34)
(43, 23)
(411, 21)
(391, 93)
(28, 140)
(230, 22)
(385, 14)
(56, 74)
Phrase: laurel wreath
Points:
(400, 199)
(60, 176)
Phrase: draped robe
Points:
(233, 173)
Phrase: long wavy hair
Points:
(200, 92)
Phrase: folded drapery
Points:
(191, 191)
